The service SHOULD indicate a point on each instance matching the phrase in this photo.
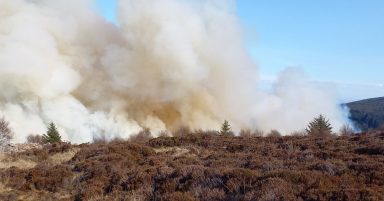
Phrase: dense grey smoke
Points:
(168, 63)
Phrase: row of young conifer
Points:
(319, 127)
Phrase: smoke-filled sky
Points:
(338, 43)
(161, 65)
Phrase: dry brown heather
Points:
(200, 166)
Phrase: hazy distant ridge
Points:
(367, 114)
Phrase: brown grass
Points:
(63, 157)
(4, 188)
(6, 162)
(203, 166)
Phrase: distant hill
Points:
(367, 114)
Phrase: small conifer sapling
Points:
(320, 126)
(52, 135)
(225, 128)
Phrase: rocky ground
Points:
(199, 166)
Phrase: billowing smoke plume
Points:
(168, 63)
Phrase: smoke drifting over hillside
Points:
(168, 63)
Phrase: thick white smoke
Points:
(168, 63)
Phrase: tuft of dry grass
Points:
(7, 161)
(177, 150)
(131, 196)
(25, 161)
(60, 158)
(4, 188)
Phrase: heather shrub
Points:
(13, 177)
(182, 131)
(180, 196)
(370, 150)
(233, 147)
(213, 194)
(48, 178)
(275, 189)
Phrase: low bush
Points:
(6, 133)
(274, 133)
(142, 137)
(38, 139)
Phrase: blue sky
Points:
(334, 41)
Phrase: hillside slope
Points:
(367, 114)
(201, 166)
